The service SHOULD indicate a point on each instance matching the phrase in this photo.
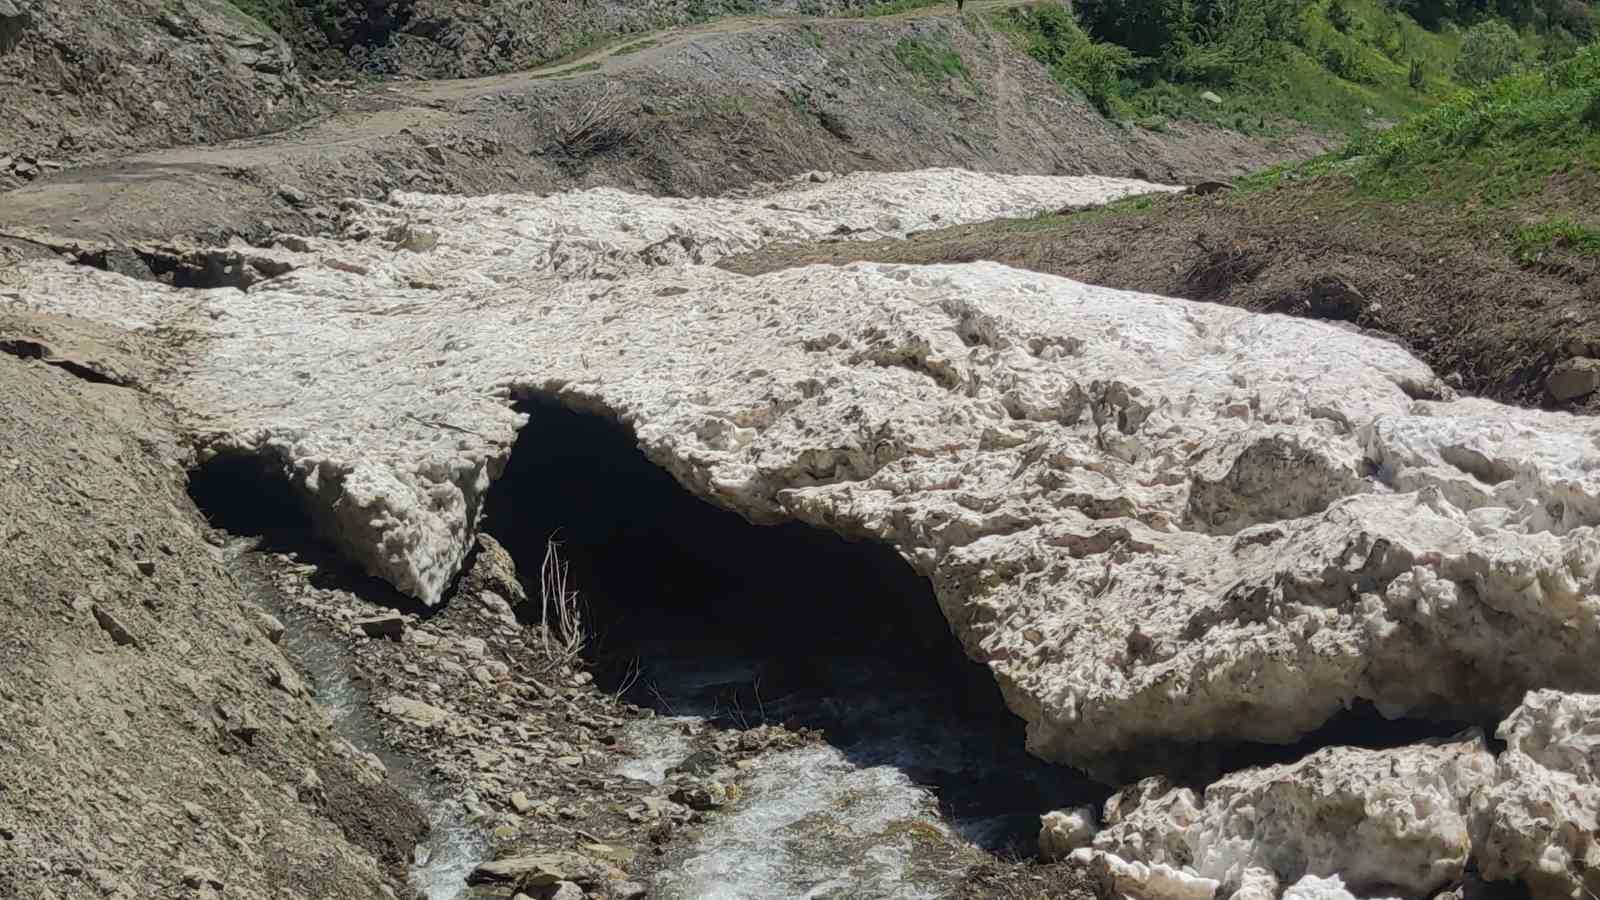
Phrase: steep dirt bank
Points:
(439, 39)
(153, 740)
(95, 79)
(721, 111)
(1443, 285)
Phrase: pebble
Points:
(520, 802)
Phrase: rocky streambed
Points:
(1251, 560)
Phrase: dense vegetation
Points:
(1528, 143)
(1349, 65)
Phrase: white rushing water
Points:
(897, 801)
(815, 824)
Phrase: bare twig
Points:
(560, 612)
(656, 692)
(629, 679)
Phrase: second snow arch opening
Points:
(704, 613)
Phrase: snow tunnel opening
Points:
(692, 610)
(252, 496)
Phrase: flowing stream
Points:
(453, 846)
(904, 795)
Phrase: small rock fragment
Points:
(195, 877)
(270, 627)
(113, 627)
(413, 711)
(388, 625)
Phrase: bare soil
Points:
(1438, 280)
(154, 742)
(698, 112)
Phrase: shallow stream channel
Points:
(896, 767)
(453, 846)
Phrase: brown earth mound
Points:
(1439, 282)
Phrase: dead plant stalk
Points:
(560, 612)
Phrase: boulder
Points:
(1540, 821)
(1389, 821)
(1573, 378)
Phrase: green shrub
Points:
(1544, 112)
(1490, 50)
(935, 62)
(1590, 117)
(1339, 16)
(1096, 68)
(1417, 77)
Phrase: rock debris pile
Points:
(1165, 526)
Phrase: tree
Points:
(1489, 50)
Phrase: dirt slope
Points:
(715, 111)
(153, 741)
(95, 78)
(1441, 284)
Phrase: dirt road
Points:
(693, 110)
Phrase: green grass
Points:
(1345, 81)
(1492, 146)
(1534, 243)
(933, 61)
(895, 7)
(591, 66)
(635, 47)
(1517, 161)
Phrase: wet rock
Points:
(561, 890)
(534, 873)
(701, 796)
(621, 856)
(629, 890)
(270, 627)
(699, 763)
(1064, 831)
(1573, 378)
(536, 870)
(1539, 821)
